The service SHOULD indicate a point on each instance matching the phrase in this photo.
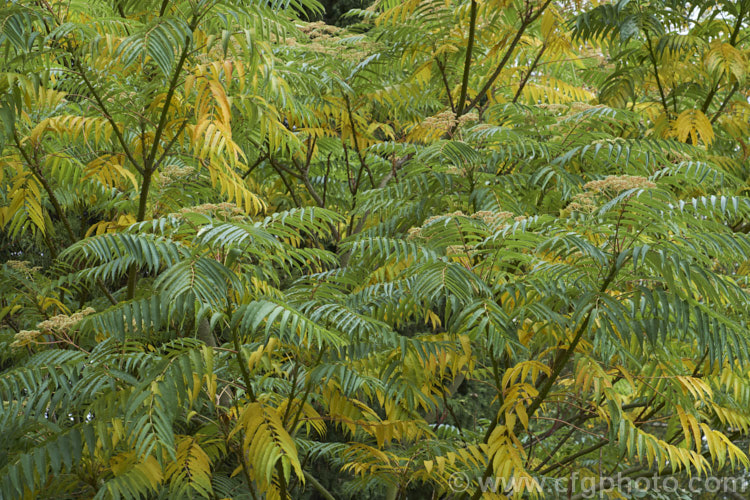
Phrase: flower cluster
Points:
(468, 118)
(583, 203)
(492, 218)
(579, 107)
(171, 174)
(22, 266)
(413, 233)
(586, 202)
(282, 40)
(442, 121)
(223, 210)
(618, 183)
(319, 29)
(432, 219)
(63, 322)
(24, 338)
(323, 39)
(416, 232)
(56, 325)
(553, 107)
(346, 52)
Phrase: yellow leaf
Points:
(723, 58)
(267, 442)
(548, 22)
(692, 123)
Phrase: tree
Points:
(253, 256)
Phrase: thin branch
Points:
(560, 362)
(467, 61)
(308, 387)
(574, 456)
(715, 88)
(724, 104)
(655, 66)
(148, 164)
(362, 162)
(531, 69)
(325, 182)
(37, 171)
(171, 143)
(395, 167)
(286, 169)
(288, 185)
(110, 119)
(441, 67)
(318, 487)
(254, 166)
(605, 483)
(562, 359)
(528, 20)
(282, 480)
(242, 362)
(311, 140)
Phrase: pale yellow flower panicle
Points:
(57, 326)
(618, 183)
(612, 185)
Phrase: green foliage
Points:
(249, 256)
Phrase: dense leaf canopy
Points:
(456, 249)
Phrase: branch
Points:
(362, 163)
(572, 457)
(243, 363)
(560, 362)
(171, 143)
(37, 171)
(715, 88)
(106, 114)
(305, 395)
(724, 104)
(533, 66)
(467, 62)
(289, 188)
(638, 468)
(301, 176)
(563, 358)
(589, 493)
(285, 169)
(282, 480)
(445, 82)
(652, 57)
(528, 19)
(395, 167)
(318, 487)
(148, 164)
(325, 182)
(254, 166)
